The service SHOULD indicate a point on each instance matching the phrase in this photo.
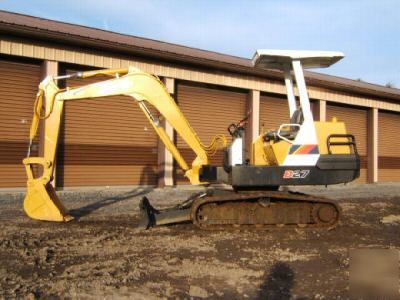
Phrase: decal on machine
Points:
(295, 174)
(303, 149)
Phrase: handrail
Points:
(351, 141)
(286, 125)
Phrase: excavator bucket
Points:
(42, 203)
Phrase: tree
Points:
(390, 85)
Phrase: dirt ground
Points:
(102, 255)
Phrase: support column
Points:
(319, 109)
(49, 68)
(372, 164)
(253, 125)
(165, 159)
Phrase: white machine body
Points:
(236, 152)
(293, 61)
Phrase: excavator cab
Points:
(302, 151)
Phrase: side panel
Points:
(389, 146)
(356, 121)
(330, 169)
(18, 88)
(244, 176)
(105, 141)
(209, 111)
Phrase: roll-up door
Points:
(389, 146)
(105, 141)
(274, 111)
(209, 111)
(18, 88)
(356, 120)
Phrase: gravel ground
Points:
(102, 255)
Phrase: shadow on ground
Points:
(90, 208)
(278, 283)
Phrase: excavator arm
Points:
(41, 201)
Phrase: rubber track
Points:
(283, 198)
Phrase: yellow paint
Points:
(268, 153)
(274, 153)
(280, 150)
(324, 129)
(41, 201)
(259, 157)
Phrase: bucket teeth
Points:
(41, 203)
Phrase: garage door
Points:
(18, 87)
(274, 111)
(388, 146)
(209, 111)
(356, 121)
(106, 141)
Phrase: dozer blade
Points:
(152, 217)
(42, 203)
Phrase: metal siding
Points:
(388, 146)
(105, 141)
(209, 111)
(68, 33)
(356, 121)
(108, 60)
(18, 86)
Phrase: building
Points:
(109, 142)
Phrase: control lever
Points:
(234, 129)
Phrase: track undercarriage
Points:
(247, 210)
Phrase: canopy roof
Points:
(276, 59)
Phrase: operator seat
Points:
(290, 134)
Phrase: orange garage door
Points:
(388, 146)
(209, 111)
(356, 120)
(274, 111)
(18, 87)
(106, 141)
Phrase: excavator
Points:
(299, 152)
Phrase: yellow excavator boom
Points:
(41, 201)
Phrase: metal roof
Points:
(61, 32)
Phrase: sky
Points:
(368, 31)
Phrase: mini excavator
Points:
(299, 152)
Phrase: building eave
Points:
(75, 35)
